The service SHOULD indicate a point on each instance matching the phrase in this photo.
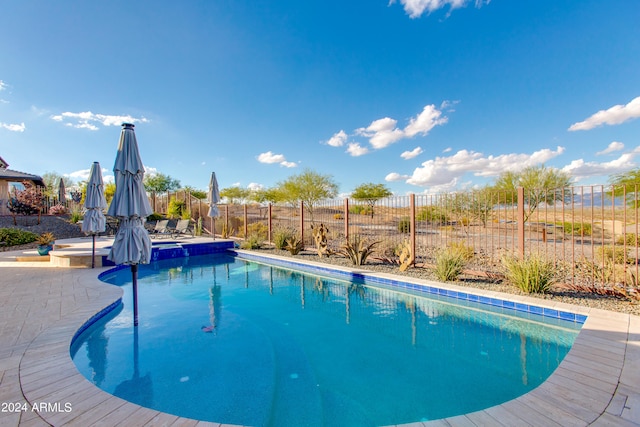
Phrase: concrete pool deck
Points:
(42, 307)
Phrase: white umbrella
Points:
(214, 199)
(130, 205)
(94, 221)
(62, 192)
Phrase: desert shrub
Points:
(460, 247)
(259, 229)
(576, 228)
(404, 225)
(614, 254)
(449, 264)
(531, 275)
(629, 239)
(280, 236)
(252, 242)
(58, 209)
(360, 209)
(75, 216)
(432, 214)
(15, 236)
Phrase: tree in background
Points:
(235, 194)
(109, 191)
(626, 184)
(541, 184)
(198, 194)
(26, 202)
(159, 183)
(52, 182)
(308, 187)
(370, 193)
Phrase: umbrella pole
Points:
(93, 252)
(134, 277)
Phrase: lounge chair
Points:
(161, 229)
(182, 227)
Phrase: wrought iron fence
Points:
(591, 233)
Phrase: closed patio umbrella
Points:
(214, 199)
(62, 192)
(130, 205)
(94, 221)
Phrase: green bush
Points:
(616, 255)
(155, 217)
(531, 275)
(360, 209)
(576, 228)
(404, 225)
(75, 216)
(258, 229)
(176, 208)
(15, 236)
(629, 239)
(449, 264)
(465, 251)
(432, 214)
(252, 242)
(280, 237)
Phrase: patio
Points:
(42, 306)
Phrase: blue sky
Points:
(421, 95)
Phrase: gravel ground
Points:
(567, 296)
(63, 229)
(58, 225)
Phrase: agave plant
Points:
(294, 245)
(357, 250)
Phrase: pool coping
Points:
(598, 382)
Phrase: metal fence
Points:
(589, 232)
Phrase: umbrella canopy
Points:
(214, 196)
(94, 202)
(130, 204)
(62, 192)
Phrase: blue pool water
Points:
(227, 340)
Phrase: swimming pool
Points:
(226, 340)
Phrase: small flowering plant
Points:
(58, 209)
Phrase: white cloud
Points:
(395, 177)
(270, 158)
(83, 175)
(356, 149)
(444, 170)
(13, 127)
(89, 120)
(613, 116)
(3, 85)
(338, 139)
(255, 186)
(411, 154)
(614, 146)
(425, 121)
(447, 150)
(381, 132)
(580, 169)
(384, 132)
(415, 8)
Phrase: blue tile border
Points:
(179, 249)
(464, 296)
